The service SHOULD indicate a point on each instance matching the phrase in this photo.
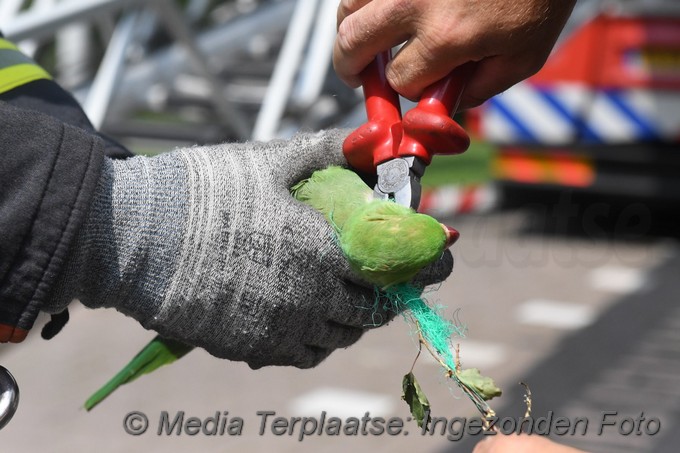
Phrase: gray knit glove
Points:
(206, 246)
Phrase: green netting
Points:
(438, 332)
(435, 329)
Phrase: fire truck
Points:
(603, 115)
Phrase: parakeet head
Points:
(387, 243)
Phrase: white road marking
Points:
(559, 315)
(617, 279)
(341, 403)
(481, 354)
(473, 354)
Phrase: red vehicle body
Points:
(604, 112)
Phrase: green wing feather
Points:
(160, 351)
(385, 243)
(335, 192)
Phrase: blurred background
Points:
(566, 273)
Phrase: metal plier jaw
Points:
(397, 149)
(399, 179)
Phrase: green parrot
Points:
(385, 243)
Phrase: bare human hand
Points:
(522, 443)
(510, 40)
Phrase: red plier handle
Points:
(425, 130)
(378, 139)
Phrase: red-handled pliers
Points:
(397, 149)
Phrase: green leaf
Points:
(483, 385)
(416, 400)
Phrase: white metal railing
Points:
(297, 78)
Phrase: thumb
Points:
(307, 152)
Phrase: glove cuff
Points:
(128, 248)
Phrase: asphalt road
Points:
(571, 296)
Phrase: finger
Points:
(436, 272)
(303, 357)
(494, 75)
(331, 335)
(308, 346)
(376, 27)
(310, 357)
(363, 308)
(327, 338)
(421, 62)
(347, 7)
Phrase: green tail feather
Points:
(160, 351)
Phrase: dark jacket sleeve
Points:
(48, 173)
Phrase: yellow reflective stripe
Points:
(4, 44)
(20, 74)
(19, 69)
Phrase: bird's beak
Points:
(452, 235)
